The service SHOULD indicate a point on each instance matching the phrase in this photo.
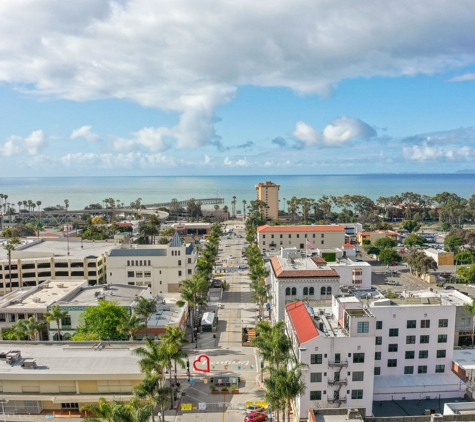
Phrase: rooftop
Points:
(39, 297)
(465, 358)
(80, 358)
(300, 229)
(291, 267)
(302, 322)
(168, 313)
(89, 295)
(59, 248)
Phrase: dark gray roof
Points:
(138, 252)
(176, 241)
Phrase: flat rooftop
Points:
(168, 313)
(465, 358)
(55, 358)
(89, 295)
(296, 266)
(59, 248)
(39, 297)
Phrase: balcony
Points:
(338, 382)
(336, 399)
(340, 363)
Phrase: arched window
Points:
(311, 291)
(322, 291)
(329, 290)
(294, 291)
(287, 291)
(305, 291)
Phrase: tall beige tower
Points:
(268, 192)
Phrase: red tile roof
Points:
(348, 245)
(300, 229)
(302, 322)
(281, 273)
(318, 260)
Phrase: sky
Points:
(180, 87)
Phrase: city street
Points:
(228, 358)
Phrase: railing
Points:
(335, 363)
(336, 399)
(338, 382)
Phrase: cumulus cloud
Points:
(184, 56)
(340, 131)
(463, 78)
(130, 160)
(152, 139)
(242, 162)
(427, 152)
(86, 133)
(281, 142)
(31, 145)
(207, 159)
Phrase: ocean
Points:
(82, 191)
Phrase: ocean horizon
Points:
(84, 190)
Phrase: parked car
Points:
(392, 282)
(255, 417)
(230, 256)
(471, 285)
(449, 287)
(254, 408)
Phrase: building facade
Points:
(268, 192)
(160, 267)
(276, 237)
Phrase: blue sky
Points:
(139, 87)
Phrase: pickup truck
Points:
(391, 283)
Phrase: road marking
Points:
(230, 310)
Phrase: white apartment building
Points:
(339, 357)
(160, 267)
(276, 237)
(292, 277)
(352, 274)
(54, 259)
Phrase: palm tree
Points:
(104, 410)
(244, 202)
(176, 336)
(130, 326)
(10, 247)
(150, 358)
(470, 308)
(151, 389)
(144, 308)
(133, 411)
(28, 327)
(233, 203)
(261, 295)
(56, 314)
(168, 355)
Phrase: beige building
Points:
(374, 236)
(276, 237)
(268, 192)
(62, 377)
(160, 267)
(54, 259)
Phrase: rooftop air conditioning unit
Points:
(60, 285)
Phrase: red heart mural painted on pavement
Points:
(200, 359)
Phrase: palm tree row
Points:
(282, 374)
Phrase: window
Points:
(147, 274)
(179, 262)
(356, 394)
(409, 354)
(305, 291)
(66, 321)
(377, 356)
(323, 235)
(357, 376)
(379, 325)
(358, 357)
(422, 369)
(281, 236)
(272, 236)
(363, 327)
(443, 323)
(379, 340)
(315, 395)
(139, 274)
(423, 354)
(311, 291)
(287, 291)
(441, 353)
(190, 271)
(316, 359)
(315, 377)
(377, 370)
(425, 323)
(442, 338)
(424, 339)
(290, 236)
(393, 332)
(411, 323)
(408, 370)
(392, 347)
(323, 242)
(189, 261)
(410, 339)
(392, 363)
(329, 290)
(294, 291)
(179, 273)
(128, 263)
(323, 290)
(439, 369)
(130, 274)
